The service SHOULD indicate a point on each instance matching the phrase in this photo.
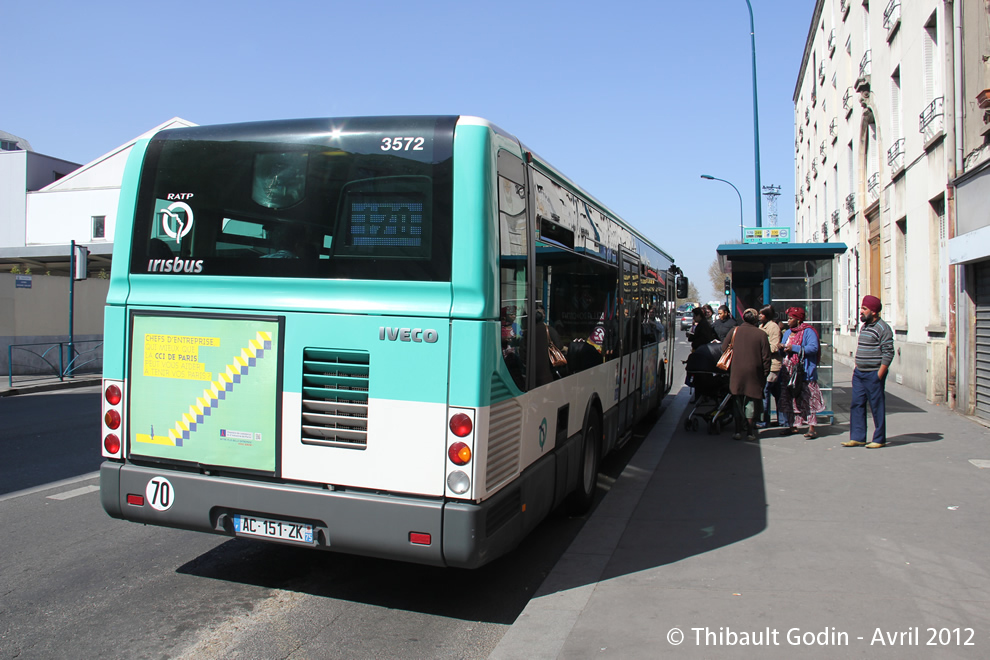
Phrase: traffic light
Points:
(728, 287)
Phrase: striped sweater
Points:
(876, 346)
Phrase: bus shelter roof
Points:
(777, 252)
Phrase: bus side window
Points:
(513, 265)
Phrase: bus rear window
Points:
(366, 198)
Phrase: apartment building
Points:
(874, 168)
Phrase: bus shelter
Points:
(788, 275)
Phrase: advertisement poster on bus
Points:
(204, 390)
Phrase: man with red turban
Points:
(874, 353)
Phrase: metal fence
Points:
(44, 360)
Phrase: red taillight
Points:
(419, 538)
(135, 500)
(111, 443)
(459, 453)
(460, 425)
(112, 419)
(113, 395)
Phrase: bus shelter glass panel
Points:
(808, 284)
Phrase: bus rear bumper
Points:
(360, 523)
(462, 534)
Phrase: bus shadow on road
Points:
(496, 593)
(707, 492)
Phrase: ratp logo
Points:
(177, 217)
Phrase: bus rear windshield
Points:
(363, 198)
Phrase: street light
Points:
(756, 119)
(715, 178)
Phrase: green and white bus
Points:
(401, 337)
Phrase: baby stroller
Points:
(713, 401)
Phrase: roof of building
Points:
(22, 144)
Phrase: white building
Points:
(874, 165)
(45, 203)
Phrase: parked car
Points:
(684, 316)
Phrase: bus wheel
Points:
(580, 500)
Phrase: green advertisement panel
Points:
(204, 390)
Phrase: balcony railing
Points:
(844, 7)
(835, 219)
(847, 103)
(807, 181)
(930, 121)
(831, 42)
(814, 169)
(892, 17)
(825, 231)
(864, 64)
(895, 155)
(821, 73)
(822, 153)
(833, 130)
(851, 204)
(814, 98)
(807, 116)
(873, 187)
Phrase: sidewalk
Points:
(792, 539)
(32, 384)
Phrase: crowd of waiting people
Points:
(772, 359)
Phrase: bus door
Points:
(630, 329)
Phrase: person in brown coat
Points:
(748, 373)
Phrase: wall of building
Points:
(860, 150)
(41, 315)
(60, 216)
(13, 184)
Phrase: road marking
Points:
(52, 485)
(980, 462)
(74, 493)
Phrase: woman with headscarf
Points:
(800, 397)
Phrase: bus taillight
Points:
(113, 417)
(112, 420)
(111, 443)
(113, 395)
(460, 425)
(459, 453)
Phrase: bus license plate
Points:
(273, 529)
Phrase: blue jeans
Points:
(771, 394)
(867, 386)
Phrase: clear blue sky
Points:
(632, 100)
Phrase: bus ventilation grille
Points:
(504, 441)
(335, 398)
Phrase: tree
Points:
(693, 295)
(717, 275)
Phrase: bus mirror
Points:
(682, 286)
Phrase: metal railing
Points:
(873, 186)
(895, 155)
(930, 113)
(864, 64)
(891, 15)
(847, 100)
(851, 203)
(55, 359)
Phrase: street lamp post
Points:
(756, 118)
(715, 178)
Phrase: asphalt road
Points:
(76, 583)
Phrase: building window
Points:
(99, 226)
(902, 287)
(8, 145)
